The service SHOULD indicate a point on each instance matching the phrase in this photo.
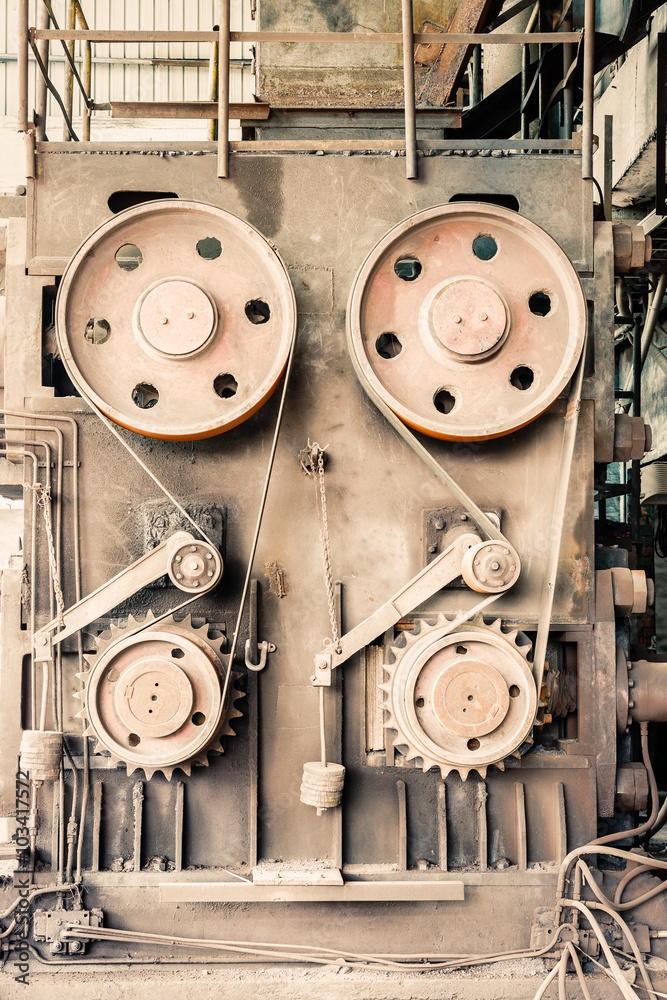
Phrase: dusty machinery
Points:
(379, 421)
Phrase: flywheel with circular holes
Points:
(153, 698)
(175, 319)
(467, 320)
(459, 700)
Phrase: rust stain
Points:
(580, 574)
(277, 578)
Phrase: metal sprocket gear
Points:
(459, 700)
(153, 696)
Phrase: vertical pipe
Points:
(525, 69)
(22, 67)
(213, 77)
(608, 163)
(87, 70)
(97, 823)
(43, 21)
(589, 82)
(178, 827)
(476, 89)
(223, 89)
(138, 804)
(70, 24)
(636, 411)
(568, 92)
(661, 125)
(409, 92)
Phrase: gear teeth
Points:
(81, 714)
(79, 694)
(497, 626)
(481, 771)
(500, 764)
(89, 731)
(82, 676)
(463, 772)
(186, 768)
(148, 771)
(515, 753)
(131, 768)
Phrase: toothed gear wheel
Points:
(153, 698)
(460, 700)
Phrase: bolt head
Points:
(191, 315)
(193, 548)
(164, 320)
(495, 565)
(179, 576)
(483, 317)
(457, 319)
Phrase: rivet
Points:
(457, 319)
(512, 568)
(177, 558)
(463, 517)
(631, 704)
(631, 683)
(433, 548)
(179, 576)
(191, 315)
(438, 524)
(210, 572)
(209, 555)
(193, 548)
(164, 320)
(482, 579)
(483, 317)
(195, 583)
(476, 562)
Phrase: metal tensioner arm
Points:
(488, 567)
(192, 565)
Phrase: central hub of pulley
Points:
(471, 698)
(155, 697)
(468, 317)
(175, 317)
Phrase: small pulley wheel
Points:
(175, 319)
(467, 320)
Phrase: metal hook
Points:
(264, 648)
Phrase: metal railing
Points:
(407, 38)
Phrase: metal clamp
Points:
(264, 649)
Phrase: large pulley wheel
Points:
(467, 320)
(175, 319)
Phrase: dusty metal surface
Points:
(379, 734)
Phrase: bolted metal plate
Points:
(197, 311)
(468, 320)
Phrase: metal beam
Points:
(350, 892)
(325, 37)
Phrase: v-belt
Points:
(447, 566)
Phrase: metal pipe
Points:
(22, 31)
(223, 88)
(411, 171)
(213, 77)
(589, 81)
(70, 22)
(608, 165)
(636, 411)
(476, 68)
(525, 69)
(568, 92)
(43, 21)
(87, 69)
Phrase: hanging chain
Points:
(312, 463)
(43, 495)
